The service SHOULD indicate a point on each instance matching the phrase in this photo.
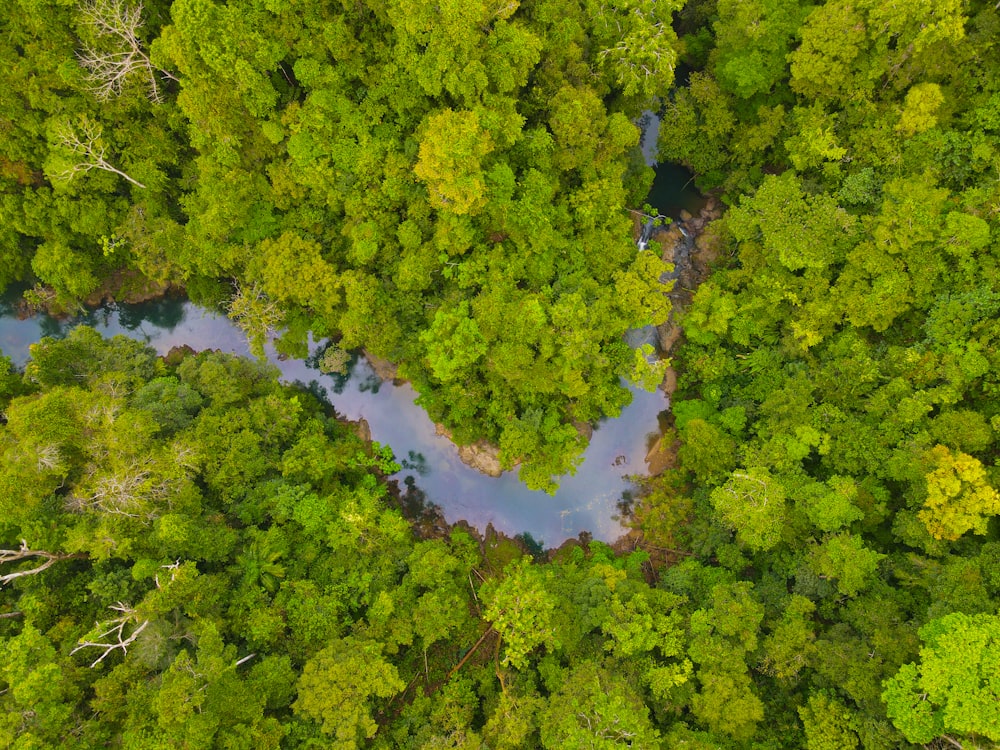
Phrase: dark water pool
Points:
(673, 187)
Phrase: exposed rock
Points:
(177, 354)
(691, 246)
(685, 215)
(669, 384)
(662, 456)
(627, 543)
(585, 430)
(363, 429)
(481, 456)
(385, 369)
(706, 248)
(130, 287)
(668, 334)
(126, 286)
(668, 237)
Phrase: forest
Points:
(195, 555)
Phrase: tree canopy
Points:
(836, 412)
(194, 554)
(445, 186)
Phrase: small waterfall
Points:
(647, 233)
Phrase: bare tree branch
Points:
(108, 71)
(116, 629)
(173, 567)
(14, 555)
(470, 652)
(85, 144)
(134, 492)
(255, 314)
(49, 458)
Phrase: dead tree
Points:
(89, 151)
(14, 555)
(255, 314)
(136, 491)
(116, 21)
(113, 637)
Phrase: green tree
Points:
(593, 709)
(827, 724)
(450, 162)
(521, 611)
(952, 688)
(752, 503)
(337, 688)
(752, 41)
(959, 498)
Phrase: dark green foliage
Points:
(444, 186)
(849, 329)
(209, 561)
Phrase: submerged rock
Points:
(482, 456)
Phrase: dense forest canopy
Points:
(443, 184)
(838, 410)
(446, 185)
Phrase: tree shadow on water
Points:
(534, 547)
(626, 503)
(371, 383)
(320, 393)
(165, 314)
(416, 462)
(416, 506)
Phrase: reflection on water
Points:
(673, 190)
(673, 187)
(431, 470)
(415, 462)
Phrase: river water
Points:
(588, 501)
(673, 188)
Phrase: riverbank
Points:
(125, 286)
(691, 247)
(663, 503)
(586, 502)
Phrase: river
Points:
(585, 502)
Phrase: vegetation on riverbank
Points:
(207, 560)
(837, 409)
(445, 185)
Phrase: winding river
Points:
(585, 502)
(588, 501)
